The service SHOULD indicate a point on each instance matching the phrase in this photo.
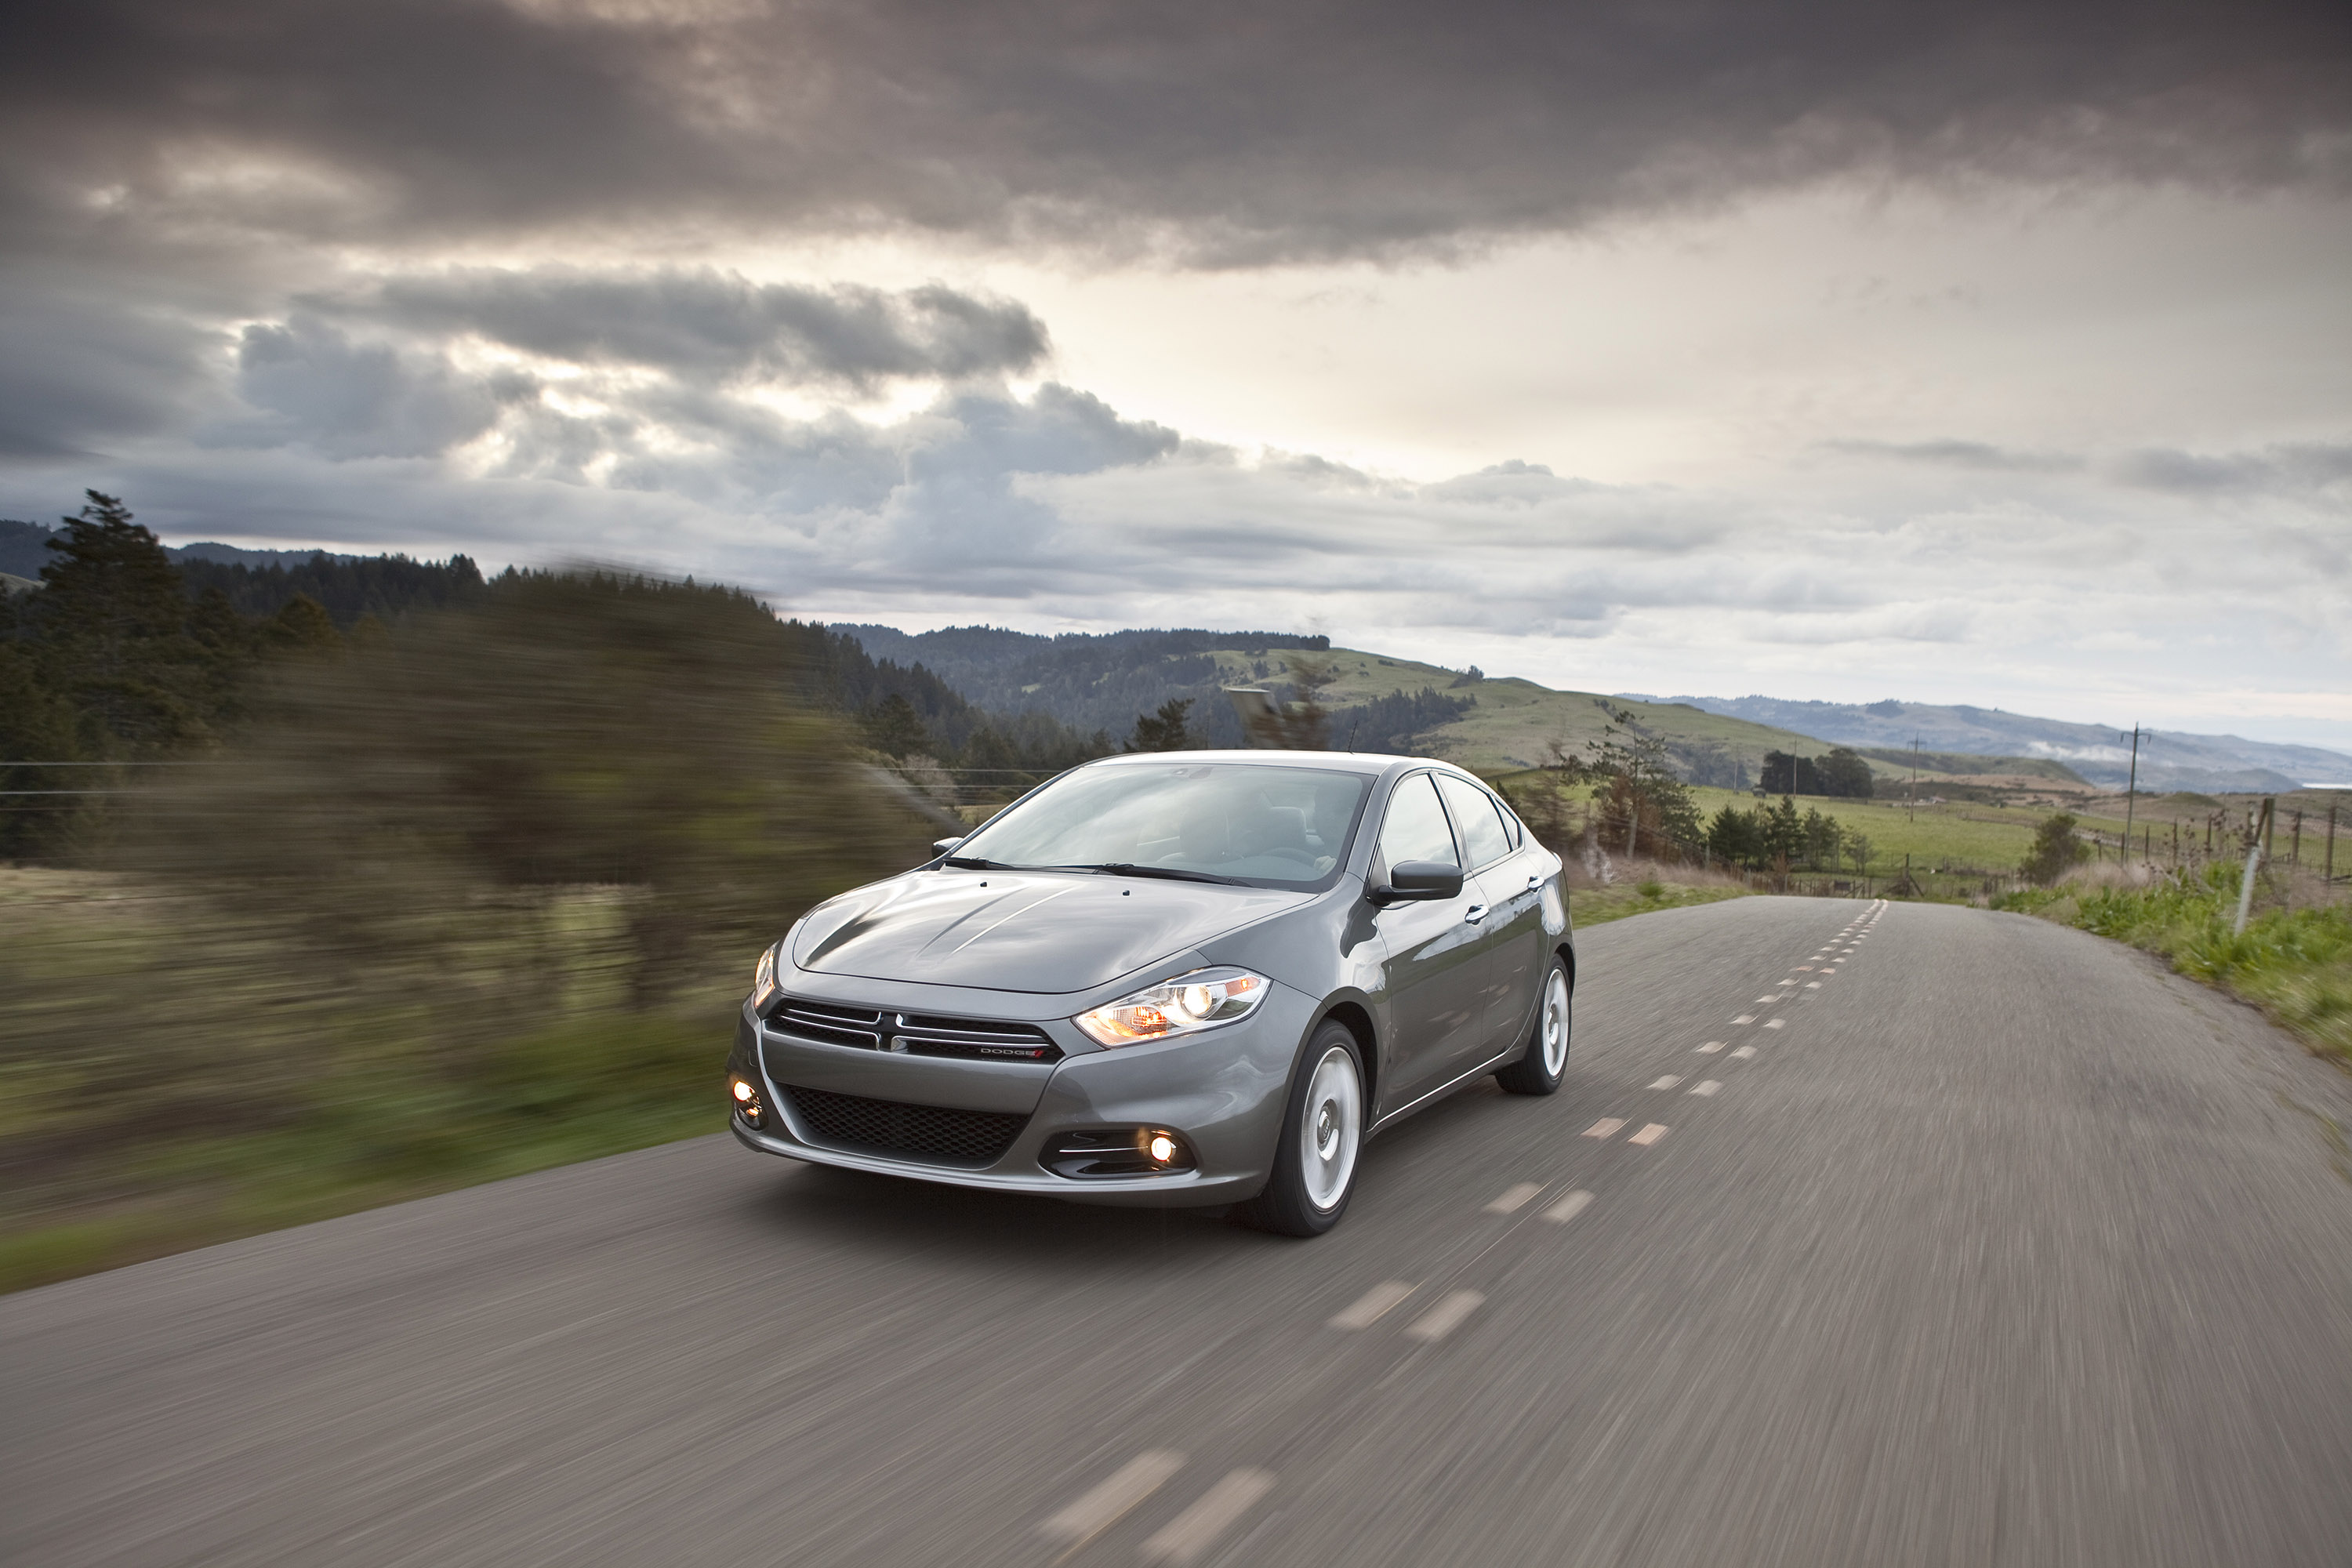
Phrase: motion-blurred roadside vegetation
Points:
(393, 908)
(2294, 960)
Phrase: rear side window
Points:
(1415, 828)
(1479, 820)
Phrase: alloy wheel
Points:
(1332, 1128)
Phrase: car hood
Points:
(1011, 930)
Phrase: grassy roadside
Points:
(1642, 886)
(164, 1085)
(2295, 963)
(192, 1195)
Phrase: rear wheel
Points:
(1322, 1132)
(1539, 1069)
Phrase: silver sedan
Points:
(1174, 978)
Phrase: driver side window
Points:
(1415, 828)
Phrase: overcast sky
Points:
(1986, 352)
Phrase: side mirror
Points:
(944, 846)
(1418, 881)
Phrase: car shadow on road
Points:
(874, 1215)
(887, 1214)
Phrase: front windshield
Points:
(1254, 823)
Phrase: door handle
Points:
(1475, 914)
(1534, 882)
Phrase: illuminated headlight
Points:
(1201, 1000)
(763, 980)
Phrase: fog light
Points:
(1117, 1152)
(743, 1092)
(747, 1102)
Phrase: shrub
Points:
(2055, 850)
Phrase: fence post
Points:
(2254, 857)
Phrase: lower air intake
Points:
(931, 1133)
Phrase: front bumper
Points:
(1223, 1089)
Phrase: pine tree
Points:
(301, 629)
(895, 729)
(1164, 731)
(112, 622)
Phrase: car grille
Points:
(914, 1034)
(932, 1133)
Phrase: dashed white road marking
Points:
(1648, 1135)
(1712, 1047)
(1802, 967)
(1709, 1087)
(1373, 1305)
(1813, 985)
(1569, 1208)
(1605, 1127)
(1192, 1533)
(1776, 1024)
(1445, 1317)
(1766, 1000)
(1667, 1082)
(1097, 1510)
(1511, 1201)
(1744, 1052)
(1745, 1018)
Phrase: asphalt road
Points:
(2000, 1248)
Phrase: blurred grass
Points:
(2294, 960)
(163, 1085)
(448, 909)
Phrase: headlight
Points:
(763, 980)
(1201, 1000)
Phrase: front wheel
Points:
(1539, 1069)
(1322, 1131)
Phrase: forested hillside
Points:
(263, 582)
(1107, 681)
(122, 661)
(1095, 681)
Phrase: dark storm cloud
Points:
(1219, 129)
(79, 367)
(706, 325)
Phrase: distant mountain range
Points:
(23, 550)
(2168, 760)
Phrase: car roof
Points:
(1371, 763)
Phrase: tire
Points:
(1545, 1062)
(1307, 1194)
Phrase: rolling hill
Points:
(2168, 760)
(1378, 702)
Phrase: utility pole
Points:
(2130, 791)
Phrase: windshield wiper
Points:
(973, 863)
(1129, 868)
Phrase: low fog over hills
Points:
(2168, 760)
